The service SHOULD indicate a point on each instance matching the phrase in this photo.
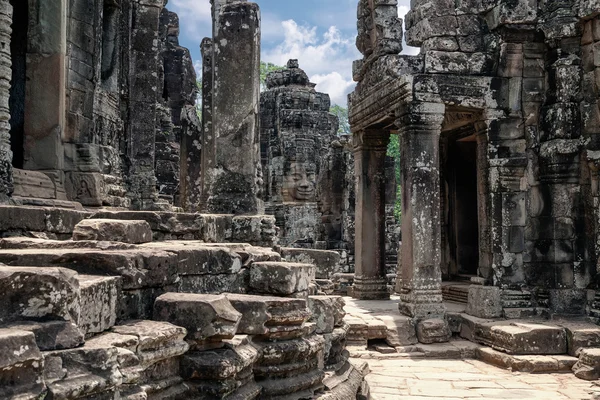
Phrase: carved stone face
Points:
(300, 182)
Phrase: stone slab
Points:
(522, 337)
(139, 268)
(133, 231)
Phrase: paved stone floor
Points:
(408, 379)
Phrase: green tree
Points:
(265, 69)
(342, 114)
(394, 151)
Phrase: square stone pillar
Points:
(421, 292)
(45, 97)
(231, 185)
(370, 148)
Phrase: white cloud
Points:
(327, 58)
(195, 17)
(335, 85)
(406, 49)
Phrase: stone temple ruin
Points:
(251, 252)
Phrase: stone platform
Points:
(500, 354)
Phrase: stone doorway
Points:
(18, 51)
(460, 222)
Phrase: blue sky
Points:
(319, 33)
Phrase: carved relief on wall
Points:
(299, 183)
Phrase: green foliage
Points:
(394, 151)
(265, 68)
(342, 114)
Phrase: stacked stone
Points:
(328, 315)
(219, 364)
(290, 361)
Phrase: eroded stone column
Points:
(6, 185)
(232, 184)
(370, 148)
(208, 142)
(144, 87)
(421, 293)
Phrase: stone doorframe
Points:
(419, 107)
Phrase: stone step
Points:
(113, 230)
(281, 278)
(139, 268)
(527, 363)
(517, 337)
(257, 230)
(21, 366)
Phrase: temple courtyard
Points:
(453, 370)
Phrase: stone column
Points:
(370, 148)
(421, 293)
(45, 97)
(143, 95)
(6, 185)
(232, 184)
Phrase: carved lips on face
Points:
(300, 182)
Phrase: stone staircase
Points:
(180, 319)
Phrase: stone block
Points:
(39, 294)
(281, 359)
(52, 335)
(484, 302)
(100, 297)
(522, 338)
(433, 330)
(588, 366)
(205, 316)
(113, 230)
(326, 262)
(219, 364)
(327, 312)
(260, 313)
(21, 366)
(280, 278)
(85, 372)
(581, 336)
(157, 341)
